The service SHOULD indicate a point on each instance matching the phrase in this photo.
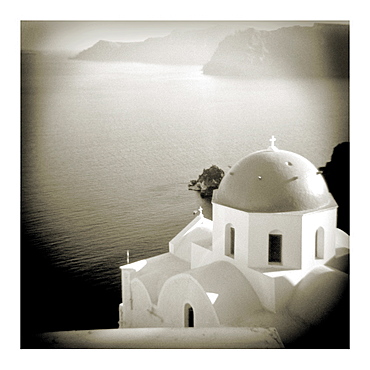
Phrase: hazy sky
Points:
(80, 35)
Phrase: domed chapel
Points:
(269, 258)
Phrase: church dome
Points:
(273, 181)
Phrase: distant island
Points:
(321, 50)
(318, 51)
(207, 181)
(194, 47)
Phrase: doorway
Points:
(189, 316)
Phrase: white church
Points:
(269, 258)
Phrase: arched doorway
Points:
(189, 316)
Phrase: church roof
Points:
(273, 181)
(153, 272)
(329, 284)
(232, 295)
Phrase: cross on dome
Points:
(200, 210)
(272, 141)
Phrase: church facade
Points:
(273, 233)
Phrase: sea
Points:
(107, 152)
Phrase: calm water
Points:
(107, 152)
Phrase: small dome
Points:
(273, 181)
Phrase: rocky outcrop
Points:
(234, 49)
(336, 174)
(208, 181)
(318, 51)
(194, 47)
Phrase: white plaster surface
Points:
(147, 338)
(157, 270)
(245, 290)
(318, 294)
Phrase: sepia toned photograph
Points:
(185, 184)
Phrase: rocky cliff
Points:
(318, 51)
(179, 47)
(207, 181)
(337, 176)
(234, 49)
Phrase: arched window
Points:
(319, 243)
(189, 316)
(229, 240)
(275, 246)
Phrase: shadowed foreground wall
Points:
(146, 338)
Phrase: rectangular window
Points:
(275, 242)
